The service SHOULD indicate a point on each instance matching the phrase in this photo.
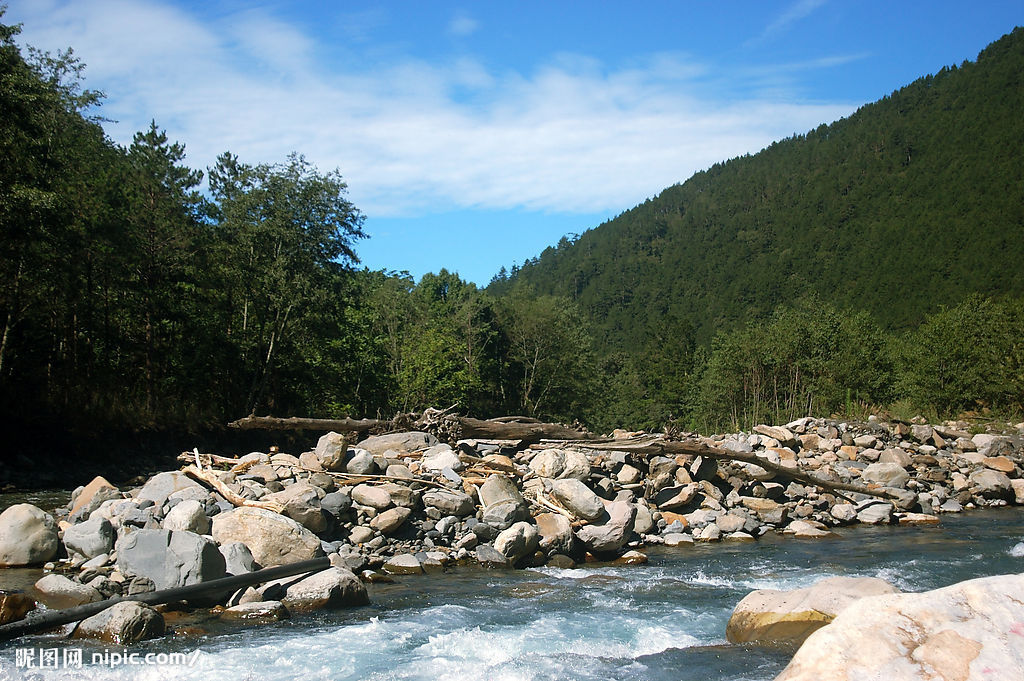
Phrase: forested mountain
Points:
(911, 203)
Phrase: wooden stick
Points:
(238, 500)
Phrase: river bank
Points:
(405, 504)
(665, 620)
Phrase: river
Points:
(664, 620)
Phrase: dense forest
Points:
(873, 263)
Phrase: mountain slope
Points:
(912, 202)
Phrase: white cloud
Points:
(411, 136)
(794, 13)
(463, 25)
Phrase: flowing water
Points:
(664, 620)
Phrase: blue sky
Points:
(474, 134)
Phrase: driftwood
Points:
(657, 446)
(214, 588)
(527, 430)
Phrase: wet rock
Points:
(14, 605)
(58, 592)
(28, 536)
(579, 499)
(272, 538)
(806, 529)
(169, 558)
(517, 542)
(632, 558)
(957, 632)
(787, 618)
(122, 624)
(257, 610)
(92, 538)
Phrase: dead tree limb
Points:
(346, 425)
(657, 446)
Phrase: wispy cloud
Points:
(794, 13)
(463, 25)
(412, 136)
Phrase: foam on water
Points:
(1017, 550)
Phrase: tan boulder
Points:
(787, 618)
(964, 632)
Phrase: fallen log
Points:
(657, 446)
(49, 619)
(527, 430)
(346, 425)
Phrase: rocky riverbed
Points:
(405, 503)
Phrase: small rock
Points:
(257, 610)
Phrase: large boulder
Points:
(370, 495)
(613, 534)
(966, 631)
(390, 520)
(91, 538)
(555, 533)
(579, 499)
(301, 504)
(992, 484)
(328, 589)
(272, 538)
(123, 623)
(787, 618)
(400, 442)
(28, 536)
(577, 465)
(548, 463)
(169, 558)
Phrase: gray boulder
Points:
(361, 462)
(328, 589)
(450, 502)
(28, 536)
(272, 538)
(301, 504)
(503, 503)
(549, 463)
(403, 564)
(336, 503)
(369, 495)
(992, 484)
(577, 465)
(886, 474)
(391, 520)
(517, 542)
(186, 516)
(238, 558)
(162, 485)
(400, 442)
(169, 558)
(613, 534)
(555, 533)
(439, 457)
(579, 499)
(490, 557)
(332, 451)
(89, 539)
(874, 512)
(123, 623)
